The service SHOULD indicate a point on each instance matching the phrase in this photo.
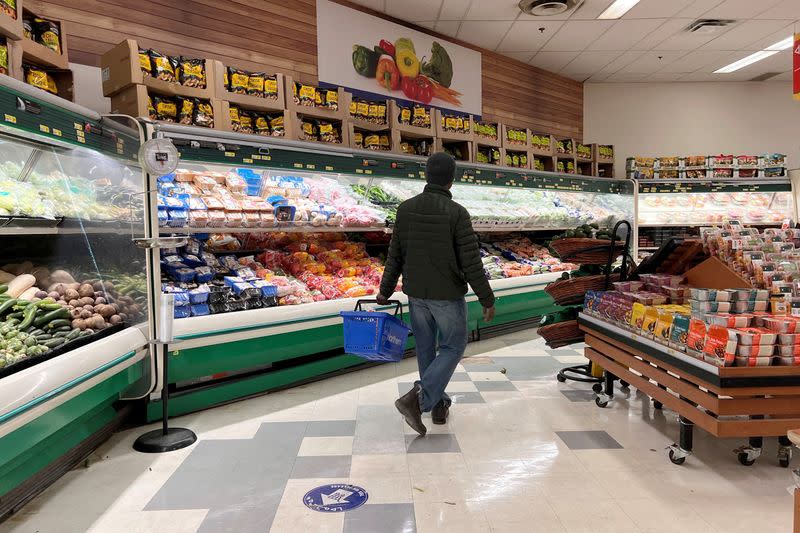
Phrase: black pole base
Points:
(157, 442)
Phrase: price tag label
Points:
(11, 118)
(359, 171)
(77, 126)
(44, 129)
(57, 133)
(367, 171)
(311, 167)
(230, 154)
(256, 157)
(266, 157)
(298, 165)
(246, 160)
(328, 168)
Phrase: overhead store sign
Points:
(796, 65)
(371, 55)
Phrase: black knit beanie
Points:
(440, 169)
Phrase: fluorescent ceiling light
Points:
(782, 45)
(617, 9)
(749, 60)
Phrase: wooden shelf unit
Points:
(394, 135)
(223, 122)
(11, 28)
(537, 149)
(466, 147)
(133, 101)
(365, 124)
(452, 136)
(247, 101)
(516, 150)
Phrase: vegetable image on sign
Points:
(335, 498)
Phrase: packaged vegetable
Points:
(332, 99)
(306, 94)
(233, 112)
(163, 69)
(38, 78)
(48, 33)
(696, 336)
(308, 130)
(720, 345)
(27, 28)
(9, 7)
(192, 72)
(245, 122)
(144, 62)
(328, 132)
(151, 110)
(238, 80)
(255, 86)
(680, 332)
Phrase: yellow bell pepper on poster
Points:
(407, 62)
(404, 43)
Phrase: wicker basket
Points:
(585, 251)
(572, 291)
(561, 334)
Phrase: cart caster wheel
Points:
(658, 405)
(601, 402)
(784, 462)
(597, 387)
(624, 384)
(745, 460)
(676, 460)
(784, 456)
(560, 378)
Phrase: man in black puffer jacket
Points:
(436, 250)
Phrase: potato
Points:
(123, 316)
(71, 294)
(87, 300)
(62, 276)
(41, 294)
(115, 319)
(89, 331)
(96, 322)
(106, 311)
(85, 313)
(73, 285)
(79, 323)
(86, 290)
(89, 308)
(99, 300)
(75, 313)
(73, 303)
(108, 286)
(54, 295)
(97, 285)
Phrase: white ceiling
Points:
(649, 43)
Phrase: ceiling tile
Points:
(525, 34)
(626, 77)
(454, 9)
(448, 27)
(780, 62)
(430, 24)
(684, 40)
(416, 9)
(519, 56)
(744, 34)
(654, 9)
(377, 5)
(577, 77)
(552, 61)
(590, 61)
(493, 10)
(622, 61)
(651, 61)
(695, 60)
(486, 34)
(625, 33)
(664, 76)
(786, 76)
(576, 35)
(698, 8)
(740, 9)
(598, 77)
(773, 38)
(589, 10)
(656, 37)
(786, 10)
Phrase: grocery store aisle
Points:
(521, 453)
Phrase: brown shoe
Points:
(439, 413)
(408, 405)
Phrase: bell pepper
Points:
(387, 47)
(404, 43)
(387, 74)
(419, 89)
(365, 61)
(407, 62)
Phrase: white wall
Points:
(666, 119)
(89, 89)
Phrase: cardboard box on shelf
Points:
(39, 54)
(247, 100)
(133, 102)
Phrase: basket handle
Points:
(398, 305)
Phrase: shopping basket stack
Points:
(374, 335)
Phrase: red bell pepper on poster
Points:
(387, 74)
(387, 47)
(419, 89)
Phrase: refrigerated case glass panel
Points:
(715, 207)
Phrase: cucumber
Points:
(61, 334)
(59, 322)
(57, 315)
(52, 343)
(74, 334)
(16, 316)
(30, 314)
(62, 328)
(43, 337)
(7, 305)
(36, 332)
(3, 287)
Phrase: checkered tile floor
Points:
(520, 453)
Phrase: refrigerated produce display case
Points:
(73, 300)
(679, 208)
(283, 235)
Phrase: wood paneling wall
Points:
(280, 35)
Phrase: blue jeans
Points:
(445, 321)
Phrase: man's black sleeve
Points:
(393, 267)
(469, 258)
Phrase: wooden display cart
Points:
(584, 162)
(727, 402)
(564, 151)
(603, 163)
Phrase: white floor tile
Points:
(316, 446)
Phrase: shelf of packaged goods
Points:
(698, 224)
(207, 330)
(78, 229)
(275, 229)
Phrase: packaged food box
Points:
(788, 350)
(627, 286)
(758, 318)
(650, 298)
(711, 295)
(756, 336)
(650, 319)
(696, 335)
(750, 306)
(728, 320)
(710, 306)
(789, 339)
(637, 316)
(664, 326)
(721, 343)
(787, 361)
(753, 361)
(755, 350)
(782, 324)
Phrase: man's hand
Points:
(488, 314)
(381, 299)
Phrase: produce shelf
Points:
(452, 136)
(276, 229)
(247, 101)
(12, 27)
(340, 114)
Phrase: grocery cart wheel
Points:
(784, 452)
(784, 462)
(597, 387)
(657, 405)
(676, 460)
(561, 379)
(602, 400)
(624, 384)
(744, 458)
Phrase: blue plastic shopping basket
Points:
(374, 335)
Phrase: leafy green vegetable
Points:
(440, 67)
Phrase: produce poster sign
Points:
(370, 55)
(796, 65)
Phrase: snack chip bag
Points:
(162, 67)
(238, 80)
(192, 72)
(255, 86)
